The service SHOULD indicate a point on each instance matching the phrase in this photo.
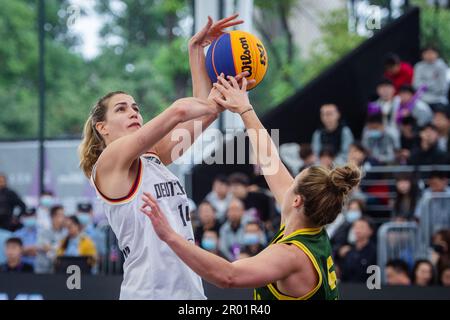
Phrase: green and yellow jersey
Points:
(314, 242)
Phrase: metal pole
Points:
(41, 22)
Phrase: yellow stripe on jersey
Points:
(302, 247)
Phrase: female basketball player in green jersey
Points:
(298, 263)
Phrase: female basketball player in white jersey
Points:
(123, 158)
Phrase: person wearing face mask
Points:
(254, 239)
(46, 202)
(210, 242)
(28, 235)
(86, 217)
(380, 143)
(339, 231)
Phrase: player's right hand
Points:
(159, 221)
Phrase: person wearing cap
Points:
(85, 215)
(428, 152)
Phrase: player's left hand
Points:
(235, 97)
(159, 221)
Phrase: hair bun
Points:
(345, 178)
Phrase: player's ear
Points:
(101, 128)
(298, 201)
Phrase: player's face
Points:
(122, 118)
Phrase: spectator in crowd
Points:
(386, 104)
(444, 274)
(440, 244)
(49, 240)
(441, 120)
(399, 72)
(397, 273)
(357, 257)
(85, 215)
(8, 201)
(327, 157)
(409, 139)
(423, 273)
(28, 235)
(46, 202)
(210, 241)
(431, 73)
(76, 243)
(257, 204)
(208, 220)
(428, 152)
(406, 197)
(254, 238)
(339, 231)
(4, 235)
(357, 155)
(231, 237)
(307, 156)
(220, 197)
(14, 260)
(438, 183)
(380, 143)
(333, 133)
(412, 105)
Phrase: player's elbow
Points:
(228, 279)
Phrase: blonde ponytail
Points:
(93, 144)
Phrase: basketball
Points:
(235, 52)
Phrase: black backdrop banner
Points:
(54, 287)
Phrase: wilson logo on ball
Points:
(236, 52)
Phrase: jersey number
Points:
(331, 274)
(186, 214)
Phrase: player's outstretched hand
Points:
(211, 31)
(234, 95)
(159, 221)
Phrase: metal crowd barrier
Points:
(397, 240)
(434, 216)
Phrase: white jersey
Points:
(151, 269)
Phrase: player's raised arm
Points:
(236, 100)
